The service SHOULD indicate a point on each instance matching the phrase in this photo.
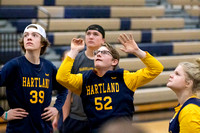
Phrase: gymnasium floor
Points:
(150, 127)
(155, 126)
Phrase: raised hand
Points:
(77, 44)
(130, 46)
(129, 43)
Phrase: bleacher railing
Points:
(9, 46)
(39, 21)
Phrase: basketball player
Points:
(29, 81)
(74, 117)
(107, 93)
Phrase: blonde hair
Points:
(193, 72)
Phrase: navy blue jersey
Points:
(29, 86)
(108, 97)
(174, 123)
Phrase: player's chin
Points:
(29, 48)
(169, 84)
(97, 64)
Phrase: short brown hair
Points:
(113, 51)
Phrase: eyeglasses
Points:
(104, 52)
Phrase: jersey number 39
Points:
(37, 96)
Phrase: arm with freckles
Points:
(71, 81)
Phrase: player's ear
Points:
(115, 62)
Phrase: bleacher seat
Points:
(193, 11)
(154, 95)
(156, 49)
(184, 2)
(175, 35)
(157, 23)
(160, 80)
(74, 2)
(169, 62)
(15, 12)
(101, 2)
(110, 24)
(186, 47)
(7, 12)
(21, 2)
(148, 36)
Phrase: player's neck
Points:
(33, 58)
(101, 71)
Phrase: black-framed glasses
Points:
(104, 52)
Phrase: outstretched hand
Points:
(130, 46)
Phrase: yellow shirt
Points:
(133, 80)
(189, 118)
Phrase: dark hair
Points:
(97, 28)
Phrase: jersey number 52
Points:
(100, 106)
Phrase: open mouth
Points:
(98, 60)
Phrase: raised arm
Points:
(153, 67)
(71, 81)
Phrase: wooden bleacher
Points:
(75, 2)
(153, 95)
(175, 35)
(161, 80)
(101, 2)
(21, 2)
(169, 62)
(186, 47)
(57, 25)
(84, 12)
(158, 11)
(157, 23)
(193, 11)
(177, 48)
(61, 38)
(184, 2)
(192, 7)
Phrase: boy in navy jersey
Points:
(29, 81)
(107, 93)
(74, 117)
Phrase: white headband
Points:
(39, 30)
